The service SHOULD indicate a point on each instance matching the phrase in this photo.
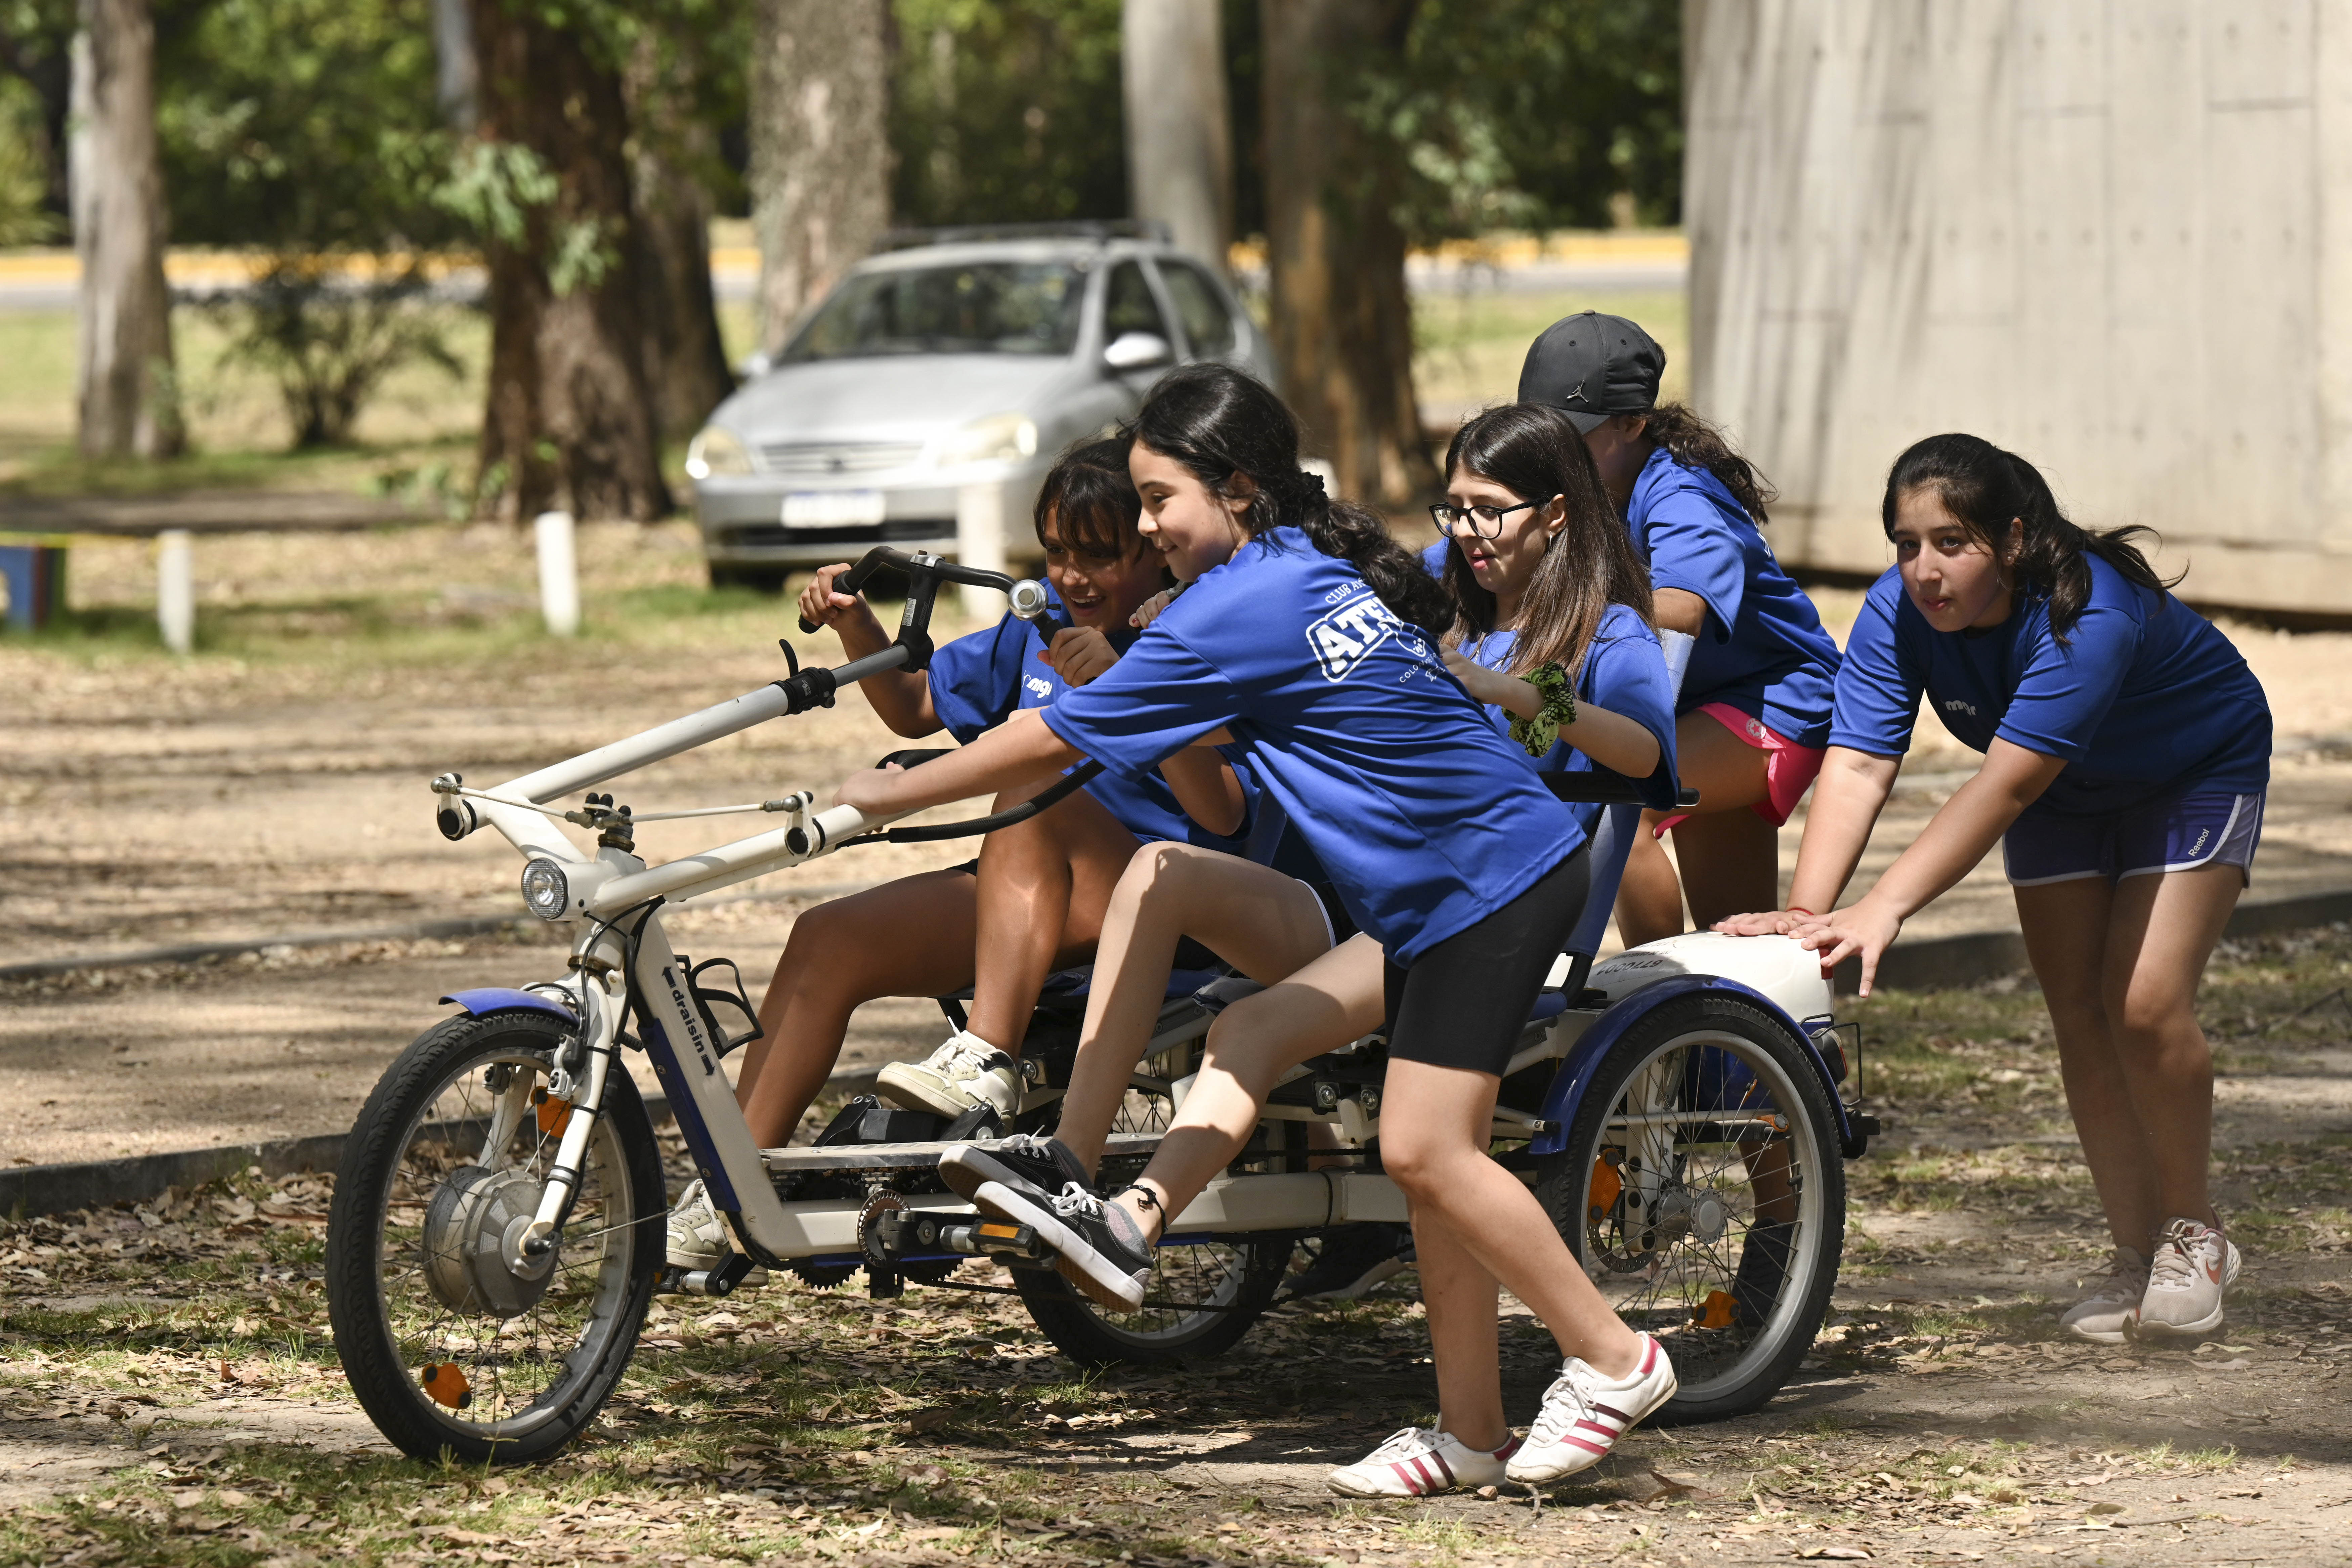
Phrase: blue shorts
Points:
(2176, 833)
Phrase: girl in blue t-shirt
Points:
(1033, 900)
(1310, 637)
(1753, 665)
(2126, 755)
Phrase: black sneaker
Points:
(1027, 1162)
(1100, 1250)
(1354, 1258)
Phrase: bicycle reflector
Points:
(546, 892)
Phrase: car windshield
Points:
(983, 307)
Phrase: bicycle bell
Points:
(1031, 600)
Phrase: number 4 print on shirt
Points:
(1346, 636)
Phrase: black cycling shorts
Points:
(1463, 1002)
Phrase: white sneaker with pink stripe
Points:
(1418, 1461)
(1584, 1414)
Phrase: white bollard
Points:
(176, 589)
(980, 541)
(559, 573)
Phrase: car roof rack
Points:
(1100, 230)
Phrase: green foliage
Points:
(24, 217)
(329, 344)
(1537, 113)
(1007, 110)
(300, 125)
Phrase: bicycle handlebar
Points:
(922, 565)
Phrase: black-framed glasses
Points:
(1485, 521)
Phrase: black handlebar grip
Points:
(808, 627)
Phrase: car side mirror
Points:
(1137, 351)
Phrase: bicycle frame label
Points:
(685, 1017)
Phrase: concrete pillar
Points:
(559, 572)
(176, 589)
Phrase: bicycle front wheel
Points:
(450, 1346)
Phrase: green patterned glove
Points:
(1541, 733)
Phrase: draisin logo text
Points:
(1346, 636)
(686, 1012)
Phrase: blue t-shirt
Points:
(1427, 818)
(1625, 672)
(1763, 650)
(981, 680)
(2145, 698)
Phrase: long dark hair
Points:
(1696, 444)
(1223, 424)
(1986, 489)
(1091, 496)
(1536, 453)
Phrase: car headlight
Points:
(716, 451)
(546, 892)
(999, 439)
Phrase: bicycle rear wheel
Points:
(450, 1348)
(1703, 1188)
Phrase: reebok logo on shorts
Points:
(1345, 636)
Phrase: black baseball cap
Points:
(1591, 366)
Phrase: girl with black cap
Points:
(1754, 666)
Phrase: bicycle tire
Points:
(381, 1276)
(1737, 1328)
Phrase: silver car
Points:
(921, 403)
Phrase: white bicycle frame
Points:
(616, 896)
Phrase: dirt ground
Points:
(276, 784)
(168, 1394)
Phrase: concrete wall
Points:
(2113, 235)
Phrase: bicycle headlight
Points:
(546, 892)
(716, 451)
(999, 439)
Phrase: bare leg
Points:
(1463, 1305)
(1261, 923)
(1433, 1138)
(1333, 1000)
(2119, 969)
(1043, 886)
(912, 937)
(1724, 864)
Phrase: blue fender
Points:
(1583, 1060)
(486, 999)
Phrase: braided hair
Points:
(1226, 425)
(1986, 489)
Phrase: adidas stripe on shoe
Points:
(1584, 1414)
(1419, 1461)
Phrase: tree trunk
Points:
(1180, 143)
(569, 412)
(127, 396)
(685, 357)
(820, 173)
(1342, 321)
(455, 77)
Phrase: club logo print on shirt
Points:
(1346, 636)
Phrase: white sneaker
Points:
(2193, 1266)
(698, 1236)
(2112, 1310)
(962, 1073)
(1418, 1461)
(1584, 1414)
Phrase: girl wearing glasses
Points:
(1545, 597)
(1755, 669)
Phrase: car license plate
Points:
(833, 509)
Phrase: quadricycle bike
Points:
(1683, 1109)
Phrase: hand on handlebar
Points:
(872, 790)
(822, 607)
(1078, 654)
